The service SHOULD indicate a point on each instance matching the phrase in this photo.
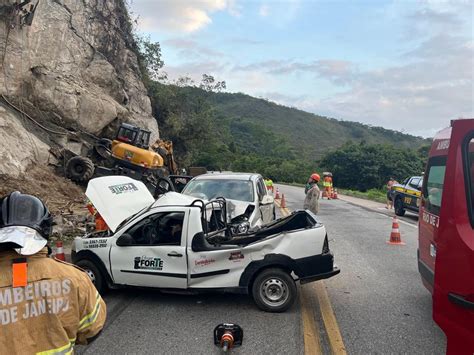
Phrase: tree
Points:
(149, 55)
(366, 166)
(208, 83)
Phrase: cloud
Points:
(191, 49)
(264, 10)
(179, 15)
(432, 86)
(338, 71)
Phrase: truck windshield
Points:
(434, 186)
(241, 190)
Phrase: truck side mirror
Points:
(163, 186)
(125, 240)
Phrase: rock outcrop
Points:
(73, 68)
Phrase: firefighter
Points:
(46, 305)
(311, 201)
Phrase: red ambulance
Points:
(446, 233)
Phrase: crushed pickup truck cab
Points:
(180, 242)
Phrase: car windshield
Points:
(241, 190)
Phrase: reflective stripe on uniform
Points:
(63, 350)
(92, 316)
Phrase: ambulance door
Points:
(453, 296)
(152, 252)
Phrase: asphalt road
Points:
(378, 300)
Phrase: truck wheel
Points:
(80, 169)
(398, 206)
(274, 290)
(94, 274)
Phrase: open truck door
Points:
(453, 289)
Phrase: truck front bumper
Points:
(317, 267)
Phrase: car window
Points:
(241, 190)
(158, 229)
(261, 191)
(433, 190)
(414, 182)
(420, 184)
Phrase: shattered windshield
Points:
(241, 190)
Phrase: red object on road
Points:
(59, 251)
(335, 194)
(283, 201)
(446, 233)
(277, 196)
(395, 236)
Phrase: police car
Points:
(406, 196)
(180, 242)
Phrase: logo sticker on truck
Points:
(236, 256)
(148, 263)
(123, 188)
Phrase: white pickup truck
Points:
(179, 242)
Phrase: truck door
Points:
(152, 252)
(453, 295)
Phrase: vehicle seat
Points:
(200, 243)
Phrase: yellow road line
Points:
(312, 343)
(329, 319)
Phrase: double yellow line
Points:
(311, 333)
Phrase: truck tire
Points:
(94, 274)
(274, 290)
(398, 207)
(80, 169)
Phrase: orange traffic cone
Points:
(283, 202)
(395, 237)
(59, 251)
(335, 194)
(277, 196)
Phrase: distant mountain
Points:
(306, 133)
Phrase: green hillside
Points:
(242, 133)
(305, 132)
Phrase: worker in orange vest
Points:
(100, 224)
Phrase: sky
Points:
(405, 65)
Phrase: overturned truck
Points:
(129, 154)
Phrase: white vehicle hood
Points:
(236, 208)
(118, 197)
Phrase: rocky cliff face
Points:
(72, 69)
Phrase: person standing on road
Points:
(390, 183)
(311, 201)
(46, 305)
